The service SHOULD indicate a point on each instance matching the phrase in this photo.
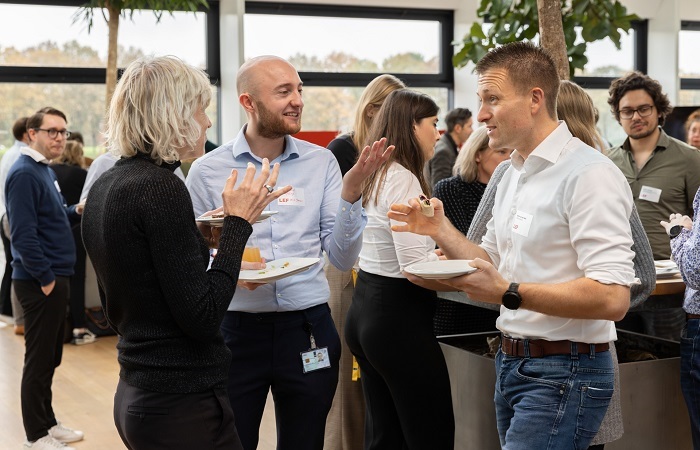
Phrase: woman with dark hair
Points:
(389, 326)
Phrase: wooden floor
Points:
(83, 393)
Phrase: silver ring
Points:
(269, 188)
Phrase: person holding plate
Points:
(151, 260)
(389, 326)
(274, 328)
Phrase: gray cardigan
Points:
(612, 427)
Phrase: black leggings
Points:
(389, 329)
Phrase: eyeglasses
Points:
(643, 111)
(53, 132)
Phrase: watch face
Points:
(511, 300)
(675, 231)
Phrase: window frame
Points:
(443, 79)
(97, 75)
(690, 84)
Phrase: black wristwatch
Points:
(674, 231)
(512, 299)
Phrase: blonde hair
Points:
(466, 166)
(575, 107)
(72, 155)
(374, 95)
(153, 108)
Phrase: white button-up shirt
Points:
(559, 215)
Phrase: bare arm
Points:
(450, 240)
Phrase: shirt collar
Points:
(548, 150)
(241, 147)
(663, 142)
(35, 155)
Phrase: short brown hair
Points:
(19, 128)
(528, 67)
(35, 120)
(634, 81)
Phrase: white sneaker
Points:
(47, 443)
(83, 336)
(65, 434)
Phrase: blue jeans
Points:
(551, 403)
(690, 377)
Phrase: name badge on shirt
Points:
(650, 194)
(295, 197)
(55, 183)
(521, 223)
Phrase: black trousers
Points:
(77, 282)
(6, 284)
(266, 349)
(153, 420)
(44, 325)
(389, 329)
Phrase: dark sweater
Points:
(151, 264)
(42, 243)
(343, 148)
(460, 200)
(71, 179)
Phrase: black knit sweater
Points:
(460, 200)
(151, 264)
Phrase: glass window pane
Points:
(607, 125)
(604, 60)
(83, 104)
(335, 44)
(56, 41)
(688, 61)
(689, 97)
(333, 108)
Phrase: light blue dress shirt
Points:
(318, 220)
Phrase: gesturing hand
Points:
(371, 158)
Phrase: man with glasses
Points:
(43, 258)
(663, 172)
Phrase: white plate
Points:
(665, 264)
(219, 221)
(277, 269)
(443, 269)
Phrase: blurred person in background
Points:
(8, 301)
(71, 173)
(459, 126)
(460, 195)
(345, 423)
(692, 129)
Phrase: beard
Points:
(271, 126)
(643, 133)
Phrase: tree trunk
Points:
(552, 34)
(111, 80)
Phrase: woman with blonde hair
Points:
(151, 260)
(345, 422)
(346, 147)
(460, 196)
(575, 107)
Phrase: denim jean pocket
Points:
(593, 404)
(145, 411)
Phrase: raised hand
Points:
(253, 194)
(371, 158)
(414, 219)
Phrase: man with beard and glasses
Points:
(663, 172)
(271, 329)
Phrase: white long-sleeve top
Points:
(385, 252)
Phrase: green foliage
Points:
(128, 7)
(517, 20)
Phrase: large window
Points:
(338, 50)
(47, 57)
(689, 64)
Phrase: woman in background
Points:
(151, 261)
(389, 326)
(460, 196)
(71, 173)
(692, 129)
(345, 423)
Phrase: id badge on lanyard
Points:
(315, 358)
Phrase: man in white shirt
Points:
(557, 256)
(19, 131)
